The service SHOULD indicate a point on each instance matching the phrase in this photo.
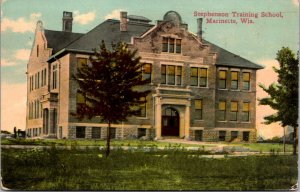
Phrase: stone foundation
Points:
(213, 135)
(209, 135)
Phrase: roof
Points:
(58, 40)
(138, 18)
(109, 31)
(226, 58)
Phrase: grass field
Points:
(58, 169)
(259, 147)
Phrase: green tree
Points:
(112, 86)
(283, 95)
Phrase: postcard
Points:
(149, 95)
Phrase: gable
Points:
(152, 40)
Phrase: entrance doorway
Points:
(170, 122)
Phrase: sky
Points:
(258, 41)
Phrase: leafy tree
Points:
(283, 95)
(112, 86)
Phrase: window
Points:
(163, 74)
(234, 80)
(80, 100)
(171, 74)
(30, 83)
(45, 77)
(37, 50)
(198, 135)
(194, 76)
(96, 132)
(81, 62)
(143, 107)
(54, 77)
(178, 75)
(203, 77)
(198, 109)
(171, 45)
(165, 44)
(178, 45)
(42, 78)
(222, 135)
(246, 112)
(38, 80)
(34, 110)
(41, 110)
(246, 136)
(246, 81)
(141, 132)
(32, 87)
(146, 71)
(80, 132)
(199, 77)
(35, 80)
(233, 111)
(29, 111)
(222, 79)
(113, 133)
(234, 135)
(222, 111)
(37, 109)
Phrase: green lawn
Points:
(57, 169)
(93, 142)
(259, 147)
(267, 147)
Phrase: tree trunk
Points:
(295, 143)
(108, 140)
(283, 140)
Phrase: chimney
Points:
(123, 21)
(199, 28)
(67, 21)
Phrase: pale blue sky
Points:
(257, 42)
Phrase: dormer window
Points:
(171, 45)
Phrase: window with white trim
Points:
(198, 109)
(222, 79)
(234, 110)
(171, 74)
(171, 45)
(198, 77)
(246, 81)
(234, 80)
(246, 112)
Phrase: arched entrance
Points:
(170, 122)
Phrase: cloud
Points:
(20, 25)
(22, 54)
(84, 18)
(18, 55)
(296, 2)
(3, 1)
(13, 106)
(115, 14)
(7, 63)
